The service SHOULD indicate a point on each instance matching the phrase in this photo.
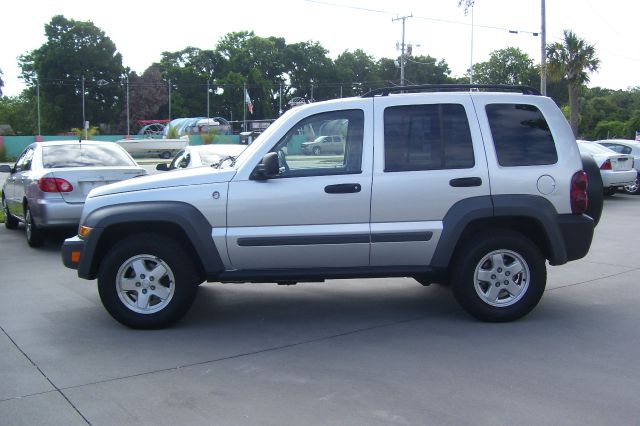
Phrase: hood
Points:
(194, 176)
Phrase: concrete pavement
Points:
(359, 352)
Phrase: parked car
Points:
(616, 169)
(626, 146)
(49, 182)
(324, 145)
(475, 190)
(201, 155)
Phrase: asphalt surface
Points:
(359, 352)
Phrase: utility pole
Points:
(404, 18)
(84, 123)
(471, 66)
(169, 100)
(543, 43)
(208, 116)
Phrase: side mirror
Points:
(163, 167)
(268, 168)
(5, 169)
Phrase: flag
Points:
(247, 99)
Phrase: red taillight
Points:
(579, 198)
(606, 165)
(54, 185)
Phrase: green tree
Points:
(572, 59)
(19, 112)
(507, 66)
(353, 70)
(75, 49)
(148, 93)
(1, 83)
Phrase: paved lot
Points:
(361, 352)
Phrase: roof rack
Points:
(385, 91)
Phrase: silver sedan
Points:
(49, 182)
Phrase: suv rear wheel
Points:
(145, 281)
(499, 276)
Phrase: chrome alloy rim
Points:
(633, 187)
(145, 284)
(501, 278)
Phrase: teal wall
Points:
(14, 145)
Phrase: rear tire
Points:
(35, 235)
(316, 150)
(165, 155)
(147, 281)
(633, 189)
(10, 222)
(498, 276)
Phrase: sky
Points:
(142, 29)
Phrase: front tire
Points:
(35, 235)
(499, 276)
(147, 281)
(316, 150)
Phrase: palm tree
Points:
(572, 59)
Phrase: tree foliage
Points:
(572, 60)
(1, 83)
(507, 66)
(75, 49)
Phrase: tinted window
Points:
(618, 148)
(427, 137)
(82, 155)
(521, 135)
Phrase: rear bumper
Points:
(619, 178)
(577, 233)
(50, 212)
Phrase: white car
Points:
(616, 169)
(626, 146)
(202, 155)
(48, 184)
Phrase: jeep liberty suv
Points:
(456, 185)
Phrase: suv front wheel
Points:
(146, 281)
(499, 276)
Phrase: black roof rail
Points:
(385, 91)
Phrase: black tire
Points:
(166, 155)
(34, 234)
(608, 192)
(316, 150)
(177, 283)
(633, 189)
(492, 301)
(595, 188)
(10, 222)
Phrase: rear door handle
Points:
(465, 182)
(343, 188)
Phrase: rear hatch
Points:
(83, 180)
(621, 163)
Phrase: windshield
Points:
(83, 155)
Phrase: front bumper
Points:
(71, 251)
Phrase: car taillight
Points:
(579, 198)
(606, 165)
(54, 185)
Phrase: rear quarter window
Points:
(521, 135)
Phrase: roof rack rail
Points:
(385, 91)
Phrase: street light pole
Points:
(543, 45)
(208, 115)
(169, 99)
(127, 93)
(38, 103)
(84, 126)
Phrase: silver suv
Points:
(472, 189)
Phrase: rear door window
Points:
(521, 135)
(427, 137)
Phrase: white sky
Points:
(142, 29)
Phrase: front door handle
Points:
(343, 188)
(465, 182)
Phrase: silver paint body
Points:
(398, 202)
